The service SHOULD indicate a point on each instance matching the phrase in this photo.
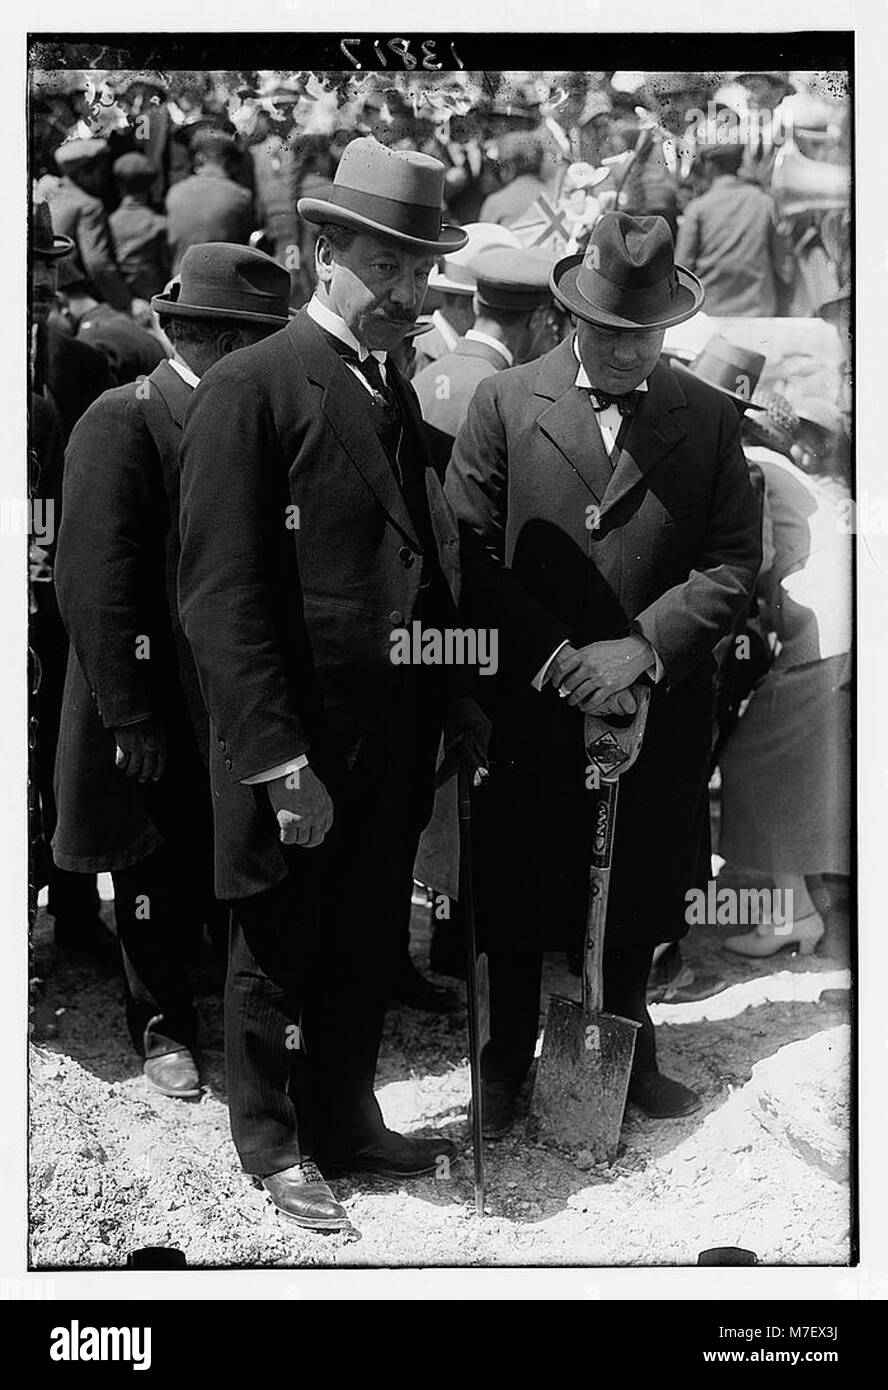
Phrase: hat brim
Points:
(318, 210)
(438, 281)
(563, 284)
(171, 308)
(61, 246)
(743, 401)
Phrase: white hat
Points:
(455, 276)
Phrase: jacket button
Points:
(228, 764)
(396, 617)
(406, 556)
(222, 744)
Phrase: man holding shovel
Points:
(609, 532)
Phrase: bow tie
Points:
(625, 403)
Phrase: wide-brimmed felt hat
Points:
(733, 370)
(220, 280)
(627, 277)
(456, 274)
(46, 243)
(397, 194)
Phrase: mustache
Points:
(396, 317)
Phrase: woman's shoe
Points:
(769, 938)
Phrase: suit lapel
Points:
(568, 421)
(341, 403)
(653, 433)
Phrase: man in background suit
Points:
(514, 321)
(314, 529)
(133, 792)
(209, 205)
(609, 532)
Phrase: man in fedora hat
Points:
(133, 793)
(609, 532)
(313, 528)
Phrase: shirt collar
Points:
(184, 371)
(583, 379)
(332, 323)
(446, 329)
(476, 336)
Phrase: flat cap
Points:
(133, 166)
(512, 277)
(74, 153)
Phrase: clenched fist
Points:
(303, 807)
(142, 750)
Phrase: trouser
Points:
(311, 960)
(515, 1006)
(154, 911)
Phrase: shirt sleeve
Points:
(273, 773)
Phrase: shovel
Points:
(583, 1074)
(477, 978)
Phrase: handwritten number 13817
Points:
(401, 49)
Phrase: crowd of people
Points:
(314, 359)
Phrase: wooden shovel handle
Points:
(599, 886)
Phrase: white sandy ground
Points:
(764, 1164)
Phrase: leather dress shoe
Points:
(173, 1074)
(498, 1109)
(300, 1194)
(414, 990)
(662, 1098)
(393, 1155)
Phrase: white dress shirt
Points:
(183, 370)
(326, 318)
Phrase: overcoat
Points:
(557, 542)
(115, 572)
(290, 591)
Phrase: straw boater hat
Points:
(627, 277)
(734, 371)
(219, 280)
(397, 194)
(455, 275)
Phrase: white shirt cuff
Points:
(273, 773)
(540, 676)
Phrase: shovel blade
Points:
(582, 1078)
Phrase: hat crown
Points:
(731, 368)
(405, 176)
(220, 277)
(631, 251)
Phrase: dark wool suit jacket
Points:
(116, 564)
(299, 557)
(556, 543)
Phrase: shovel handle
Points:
(599, 886)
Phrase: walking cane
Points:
(477, 980)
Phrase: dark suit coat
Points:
(290, 626)
(116, 566)
(674, 555)
(77, 214)
(140, 239)
(131, 350)
(207, 207)
(76, 374)
(729, 238)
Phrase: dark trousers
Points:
(311, 960)
(515, 1006)
(155, 915)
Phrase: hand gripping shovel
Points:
(583, 1073)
